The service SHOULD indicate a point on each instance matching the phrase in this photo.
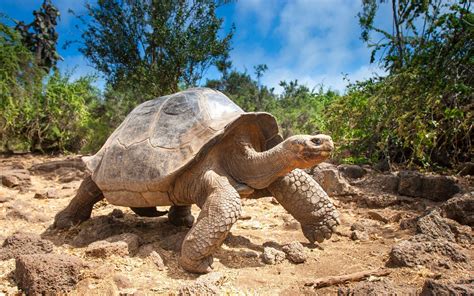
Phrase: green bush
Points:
(40, 111)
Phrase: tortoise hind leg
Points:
(80, 207)
(181, 216)
(148, 212)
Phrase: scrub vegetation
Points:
(419, 114)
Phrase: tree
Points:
(40, 36)
(153, 46)
(421, 113)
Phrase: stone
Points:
(122, 281)
(331, 181)
(410, 183)
(131, 239)
(375, 288)
(50, 274)
(272, 256)
(104, 249)
(437, 227)
(295, 252)
(119, 245)
(377, 216)
(460, 208)
(15, 178)
(157, 260)
(379, 201)
(434, 288)
(117, 213)
(359, 235)
(439, 188)
(436, 188)
(204, 285)
(352, 171)
(22, 243)
(388, 182)
(423, 250)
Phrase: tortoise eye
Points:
(316, 141)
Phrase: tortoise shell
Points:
(160, 137)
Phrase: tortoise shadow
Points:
(165, 239)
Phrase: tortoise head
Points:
(309, 150)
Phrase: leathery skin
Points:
(308, 203)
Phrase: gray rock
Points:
(22, 243)
(204, 285)
(410, 183)
(295, 252)
(119, 245)
(117, 213)
(157, 260)
(388, 182)
(15, 178)
(424, 250)
(377, 216)
(359, 235)
(460, 208)
(352, 171)
(122, 281)
(132, 240)
(437, 227)
(437, 188)
(375, 288)
(104, 249)
(47, 274)
(434, 288)
(331, 180)
(272, 256)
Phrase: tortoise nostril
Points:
(316, 141)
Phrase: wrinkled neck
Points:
(259, 169)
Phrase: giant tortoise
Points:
(198, 147)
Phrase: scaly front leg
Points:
(219, 212)
(305, 200)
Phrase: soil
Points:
(238, 265)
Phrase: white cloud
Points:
(317, 41)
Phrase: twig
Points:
(353, 277)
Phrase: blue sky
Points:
(314, 41)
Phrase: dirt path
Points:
(240, 269)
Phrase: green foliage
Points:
(301, 110)
(39, 112)
(421, 113)
(153, 46)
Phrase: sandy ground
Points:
(238, 261)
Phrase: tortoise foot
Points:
(323, 229)
(181, 216)
(196, 266)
